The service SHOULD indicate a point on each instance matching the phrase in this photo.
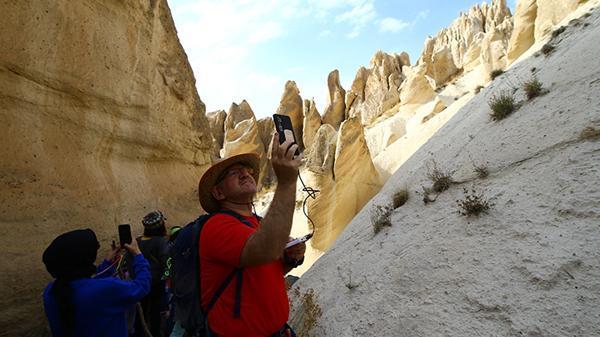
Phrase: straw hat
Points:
(209, 178)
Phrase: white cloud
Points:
(325, 33)
(221, 38)
(392, 25)
(360, 15)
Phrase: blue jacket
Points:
(101, 303)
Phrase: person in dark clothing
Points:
(79, 304)
(154, 245)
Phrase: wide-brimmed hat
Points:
(209, 178)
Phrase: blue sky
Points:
(248, 49)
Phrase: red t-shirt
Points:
(264, 303)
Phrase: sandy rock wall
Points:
(375, 90)
(479, 36)
(528, 267)
(335, 112)
(536, 19)
(101, 124)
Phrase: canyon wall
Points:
(101, 124)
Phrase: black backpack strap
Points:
(221, 289)
(239, 272)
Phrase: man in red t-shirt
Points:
(257, 246)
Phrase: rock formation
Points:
(479, 36)
(335, 113)
(374, 91)
(526, 267)
(216, 121)
(102, 124)
(345, 187)
(534, 20)
(291, 105)
(312, 123)
(242, 135)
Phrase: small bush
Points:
(532, 88)
(589, 133)
(399, 198)
(310, 312)
(481, 171)
(547, 49)
(478, 89)
(533, 69)
(502, 105)
(558, 31)
(473, 204)
(441, 179)
(380, 217)
(496, 73)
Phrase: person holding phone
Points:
(154, 246)
(77, 303)
(255, 303)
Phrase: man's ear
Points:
(216, 193)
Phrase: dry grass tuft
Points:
(532, 88)
(478, 89)
(400, 198)
(547, 49)
(310, 312)
(473, 204)
(558, 31)
(590, 133)
(502, 105)
(495, 73)
(380, 217)
(481, 171)
(440, 178)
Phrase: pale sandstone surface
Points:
(535, 20)
(216, 121)
(291, 105)
(479, 36)
(243, 135)
(312, 123)
(375, 90)
(524, 29)
(530, 267)
(102, 124)
(335, 112)
(355, 181)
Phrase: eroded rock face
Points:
(291, 105)
(335, 112)
(345, 187)
(312, 123)
(379, 92)
(534, 20)
(102, 124)
(523, 35)
(216, 121)
(461, 44)
(417, 89)
(242, 135)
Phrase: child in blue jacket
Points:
(78, 304)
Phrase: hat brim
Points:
(209, 178)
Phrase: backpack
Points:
(185, 278)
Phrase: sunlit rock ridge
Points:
(101, 124)
(530, 264)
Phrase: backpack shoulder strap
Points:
(239, 217)
(237, 273)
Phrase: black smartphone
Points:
(283, 125)
(124, 234)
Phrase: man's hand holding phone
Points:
(284, 163)
(296, 252)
